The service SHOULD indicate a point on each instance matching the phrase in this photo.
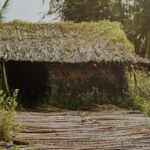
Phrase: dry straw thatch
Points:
(65, 42)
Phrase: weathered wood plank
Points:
(85, 130)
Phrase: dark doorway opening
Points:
(30, 78)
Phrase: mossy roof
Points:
(65, 42)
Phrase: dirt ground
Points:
(112, 129)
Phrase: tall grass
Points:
(7, 112)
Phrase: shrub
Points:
(139, 91)
(8, 103)
(7, 111)
(146, 108)
(6, 120)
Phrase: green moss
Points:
(17, 24)
(112, 31)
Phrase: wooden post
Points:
(5, 78)
(1, 77)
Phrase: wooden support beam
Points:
(5, 78)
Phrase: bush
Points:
(139, 91)
(6, 128)
(146, 108)
(7, 111)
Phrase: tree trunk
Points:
(147, 47)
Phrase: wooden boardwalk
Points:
(108, 130)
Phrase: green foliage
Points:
(133, 14)
(139, 91)
(7, 111)
(18, 24)
(140, 27)
(87, 10)
(8, 103)
(6, 128)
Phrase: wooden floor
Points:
(108, 130)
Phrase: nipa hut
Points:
(64, 59)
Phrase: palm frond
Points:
(4, 9)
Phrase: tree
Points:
(133, 14)
(86, 10)
(142, 23)
(91, 10)
(81, 10)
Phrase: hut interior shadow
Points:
(30, 78)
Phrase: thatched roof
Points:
(65, 42)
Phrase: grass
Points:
(112, 30)
(6, 127)
(7, 111)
